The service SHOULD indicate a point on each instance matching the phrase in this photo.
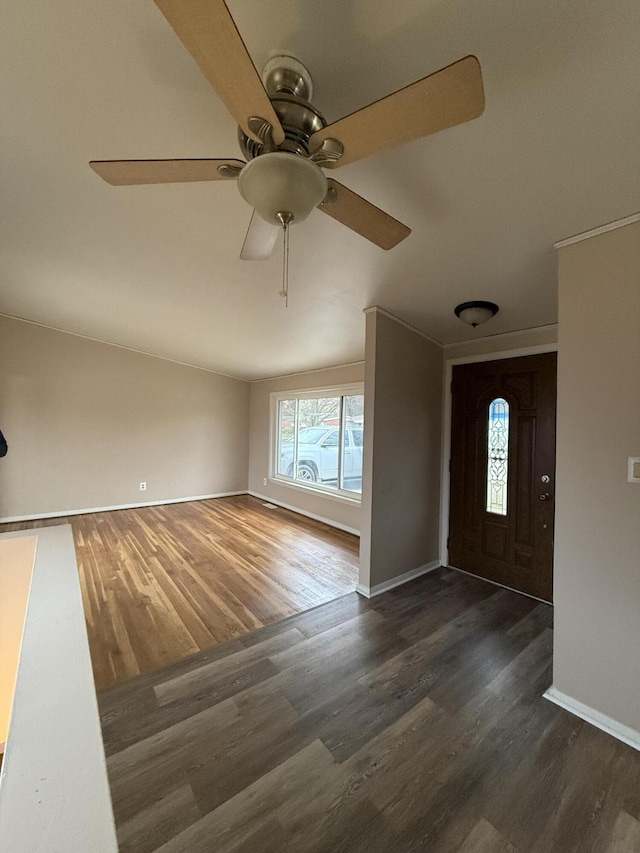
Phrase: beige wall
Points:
(401, 487)
(346, 515)
(86, 422)
(597, 552)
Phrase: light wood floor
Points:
(411, 722)
(160, 583)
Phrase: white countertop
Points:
(54, 791)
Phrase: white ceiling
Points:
(156, 268)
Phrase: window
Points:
(319, 439)
(497, 456)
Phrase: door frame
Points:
(445, 485)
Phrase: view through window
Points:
(320, 441)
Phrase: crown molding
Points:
(601, 229)
(304, 372)
(377, 309)
(121, 346)
(503, 335)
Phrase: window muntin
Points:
(319, 441)
(497, 456)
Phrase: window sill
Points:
(318, 490)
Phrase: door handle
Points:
(545, 496)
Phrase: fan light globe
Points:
(280, 182)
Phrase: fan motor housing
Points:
(289, 86)
(299, 120)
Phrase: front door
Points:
(503, 471)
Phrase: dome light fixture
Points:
(283, 189)
(476, 312)
(279, 183)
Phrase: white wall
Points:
(333, 510)
(597, 548)
(87, 422)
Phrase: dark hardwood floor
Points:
(159, 583)
(411, 722)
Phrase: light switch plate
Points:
(633, 471)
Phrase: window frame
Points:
(340, 494)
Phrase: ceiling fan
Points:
(284, 139)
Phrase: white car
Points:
(318, 455)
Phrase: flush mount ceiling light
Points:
(477, 312)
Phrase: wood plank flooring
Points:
(160, 583)
(411, 722)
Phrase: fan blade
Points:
(260, 239)
(208, 32)
(363, 217)
(451, 96)
(129, 172)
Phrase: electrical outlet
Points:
(264, 482)
(143, 487)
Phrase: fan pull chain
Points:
(285, 218)
(285, 267)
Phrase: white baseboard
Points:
(312, 515)
(64, 513)
(385, 586)
(601, 721)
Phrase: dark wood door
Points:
(503, 471)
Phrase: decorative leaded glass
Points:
(497, 456)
